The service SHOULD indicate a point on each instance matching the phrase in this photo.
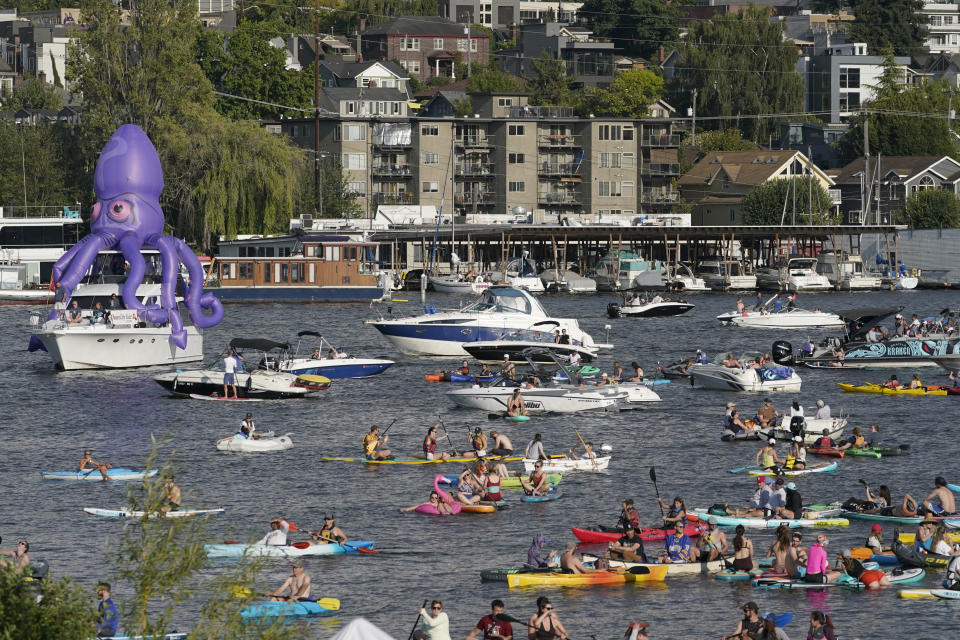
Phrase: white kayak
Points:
(565, 465)
(119, 473)
(673, 569)
(285, 551)
(125, 513)
(249, 445)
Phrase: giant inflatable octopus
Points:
(127, 217)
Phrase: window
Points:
(849, 101)
(354, 132)
(516, 187)
(936, 21)
(357, 188)
(505, 102)
(409, 44)
(849, 77)
(628, 157)
(947, 20)
(354, 161)
(461, 44)
(626, 189)
(515, 158)
(430, 130)
(628, 133)
(610, 160)
(611, 132)
(364, 82)
(609, 189)
(926, 182)
(246, 270)
(515, 130)
(431, 158)
(473, 44)
(412, 66)
(351, 107)
(431, 187)
(438, 43)
(395, 108)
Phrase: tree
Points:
(764, 203)
(65, 613)
(629, 95)
(34, 93)
(742, 69)
(48, 145)
(638, 27)
(931, 209)
(338, 200)
(550, 84)
(889, 23)
(491, 80)
(892, 77)
(722, 140)
(462, 107)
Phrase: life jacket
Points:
(859, 442)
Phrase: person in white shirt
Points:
(435, 622)
(823, 411)
(277, 534)
(230, 365)
(575, 359)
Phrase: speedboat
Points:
(262, 382)
(845, 271)
(657, 307)
(747, 374)
(723, 275)
(681, 278)
(784, 319)
(457, 284)
(493, 351)
(794, 274)
(499, 312)
(855, 351)
(121, 340)
(567, 281)
(330, 361)
(813, 429)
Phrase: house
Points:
(817, 139)
(426, 46)
(894, 178)
(942, 26)
(843, 77)
(501, 14)
(587, 58)
(373, 74)
(717, 184)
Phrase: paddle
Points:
(502, 617)
(446, 434)
(241, 591)
(653, 476)
(415, 624)
(739, 469)
(589, 453)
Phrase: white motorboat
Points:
(637, 391)
(746, 374)
(681, 278)
(329, 361)
(845, 271)
(813, 428)
(262, 382)
(492, 351)
(794, 274)
(568, 465)
(724, 275)
(499, 312)
(120, 340)
(567, 281)
(784, 319)
(620, 269)
(657, 307)
(520, 273)
(251, 445)
(457, 284)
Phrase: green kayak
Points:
(866, 452)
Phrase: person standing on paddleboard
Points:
(544, 624)
(750, 625)
(490, 627)
(435, 622)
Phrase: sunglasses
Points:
(538, 466)
(436, 607)
(548, 608)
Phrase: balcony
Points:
(474, 170)
(481, 199)
(566, 140)
(560, 169)
(558, 199)
(658, 140)
(394, 171)
(660, 170)
(473, 141)
(394, 198)
(541, 112)
(659, 196)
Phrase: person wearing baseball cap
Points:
(713, 542)
(767, 457)
(751, 625)
(817, 564)
(629, 547)
(509, 368)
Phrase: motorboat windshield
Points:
(506, 300)
(802, 264)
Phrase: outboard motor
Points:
(782, 352)
(613, 310)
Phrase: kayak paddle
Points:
(449, 439)
(241, 591)
(653, 476)
(417, 622)
(739, 469)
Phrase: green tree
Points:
(462, 107)
(892, 77)
(722, 140)
(897, 24)
(25, 148)
(490, 79)
(629, 95)
(742, 68)
(764, 203)
(931, 209)
(33, 93)
(338, 200)
(638, 27)
(65, 613)
(550, 84)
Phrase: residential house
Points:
(893, 180)
(842, 78)
(426, 46)
(443, 104)
(501, 14)
(717, 184)
(817, 139)
(943, 26)
(587, 58)
(373, 74)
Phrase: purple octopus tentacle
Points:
(195, 299)
(80, 262)
(63, 262)
(170, 268)
(129, 245)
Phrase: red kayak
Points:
(825, 452)
(593, 536)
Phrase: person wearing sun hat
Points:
(817, 564)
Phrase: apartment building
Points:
(510, 154)
(943, 26)
(501, 14)
(842, 78)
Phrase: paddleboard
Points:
(517, 418)
(915, 594)
(123, 513)
(197, 396)
(945, 594)
(550, 497)
(118, 473)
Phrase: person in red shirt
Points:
(490, 627)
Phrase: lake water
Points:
(51, 416)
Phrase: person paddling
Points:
(749, 626)
(329, 532)
(767, 457)
(298, 583)
(88, 462)
(372, 443)
(544, 624)
(500, 444)
(490, 626)
(430, 445)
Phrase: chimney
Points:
(660, 54)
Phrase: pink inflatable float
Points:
(444, 496)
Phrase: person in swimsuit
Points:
(872, 578)
(544, 624)
(441, 506)
(86, 461)
(430, 445)
(676, 512)
(570, 562)
(536, 484)
(479, 442)
(298, 583)
(779, 549)
(515, 405)
(798, 452)
(19, 556)
(501, 444)
(329, 532)
(742, 550)
(492, 487)
(617, 375)
(796, 559)
(767, 457)
(372, 443)
(947, 505)
(471, 484)
(172, 497)
(637, 372)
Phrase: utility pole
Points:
(693, 135)
(318, 189)
(866, 191)
(810, 181)
(466, 31)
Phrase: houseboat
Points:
(311, 268)
(31, 240)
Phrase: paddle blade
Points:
(240, 591)
(365, 550)
(783, 619)
(292, 526)
(300, 545)
(639, 571)
(329, 603)
(653, 474)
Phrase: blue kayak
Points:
(285, 609)
(552, 495)
(118, 473)
(284, 551)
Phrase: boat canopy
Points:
(300, 334)
(507, 300)
(260, 344)
(860, 321)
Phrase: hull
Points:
(652, 310)
(718, 377)
(100, 347)
(874, 517)
(674, 568)
(123, 513)
(493, 351)
(447, 285)
(338, 368)
(913, 558)
(114, 474)
(417, 461)
(283, 551)
(26, 296)
(256, 385)
(302, 294)
(796, 319)
(593, 536)
(881, 390)
(536, 400)
(561, 465)
(821, 468)
(761, 523)
(285, 610)
(245, 445)
(657, 573)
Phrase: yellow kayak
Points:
(916, 594)
(657, 573)
(910, 538)
(871, 387)
(416, 460)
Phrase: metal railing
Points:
(475, 169)
(660, 169)
(661, 140)
(483, 198)
(392, 170)
(557, 140)
(40, 211)
(553, 198)
(541, 112)
(559, 168)
(394, 198)
(472, 141)
(651, 196)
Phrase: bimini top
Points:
(860, 321)
(502, 299)
(260, 344)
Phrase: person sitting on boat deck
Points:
(99, 315)
(807, 348)
(767, 414)
(637, 372)
(19, 556)
(796, 560)
(945, 505)
(817, 565)
(332, 354)
(501, 444)
(534, 450)
(604, 380)
(564, 337)
(701, 356)
(797, 418)
(372, 443)
(536, 484)
(824, 440)
(329, 532)
(628, 547)
(676, 512)
(628, 515)
(823, 411)
(530, 382)
(676, 546)
(574, 359)
(617, 375)
(839, 354)
(740, 308)
(759, 304)
(570, 563)
(556, 336)
(855, 441)
(742, 550)
(114, 303)
(535, 556)
(108, 618)
(750, 625)
(298, 584)
(873, 335)
(515, 405)
(657, 299)
(544, 624)
(892, 383)
(713, 542)
(508, 368)
(799, 454)
(490, 626)
(580, 383)
(231, 363)
(871, 578)
(88, 462)
(442, 506)
(792, 508)
(767, 457)
(74, 314)
(430, 445)
(915, 382)
(277, 536)
(731, 362)
(315, 355)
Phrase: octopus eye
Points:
(96, 212)
(120, 210)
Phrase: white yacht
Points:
(724, 275)
(567, 281)
(795, 274)
(744, 374)
(845, 270)
(520, 273)
(121, 339)
(682, 279)
(618, 269)
(499, 312)
(32, 239)
(458, 284)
